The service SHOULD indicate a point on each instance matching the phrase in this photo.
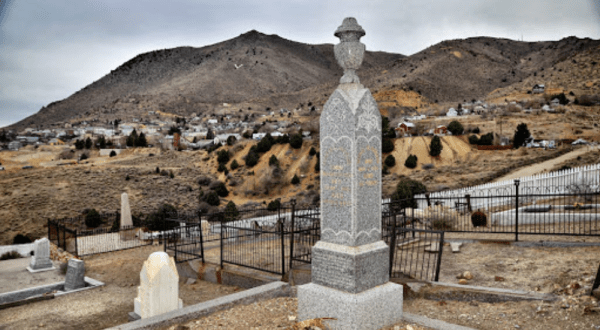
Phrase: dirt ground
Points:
(106, 306)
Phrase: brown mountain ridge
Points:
(260, 71)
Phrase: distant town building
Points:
(538, 89)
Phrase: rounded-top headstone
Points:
(156, 261)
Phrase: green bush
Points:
(251, 158)
(222, 156)
(390, 161)
(318, 166)
(486, 140)
(112, 154)
(387, 145)
(273, 161)
(93, 219)
(312, 151)
(231, 140)
(385, 170)
(284, 139)
(456, 128)
(157, 221)
(83, 157)
(116, 225)
(231, 212)
(478, 219)
(21, 239)
(171, 175)
(221, 190)
(473, 139)
(88, 143)
(234, 165)
(435, 147)
(212, 198)
(295, 179)
(265, 144)
(406, 190)
(562, 98)
(221, 167)
(10, 255)
(411, 161)
(274, 205)
(296, 141)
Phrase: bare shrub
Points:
(67, 154)
(304, 165)
(514, 108)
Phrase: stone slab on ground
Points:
(455, 246)
(14, 276)
(371, 309)
(432, 323)
(268, 291)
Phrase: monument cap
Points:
(349, 25)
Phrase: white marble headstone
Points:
(158, 292)
(41, 258)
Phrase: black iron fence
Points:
(63, 237)
(415, 253)
(185, 242)
(573, 211)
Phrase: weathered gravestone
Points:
(350, 263)
(126, 222)
(41, 258)
(75, 278)
(158, 292)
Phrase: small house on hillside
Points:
(538, 89)
(405, 128)
(441, 130)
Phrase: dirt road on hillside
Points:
(547, 165)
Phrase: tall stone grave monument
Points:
(126, 221)
(41, 256)
(350, 280)
(158, 292)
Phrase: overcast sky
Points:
(51, 49)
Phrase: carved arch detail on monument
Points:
(345, 238)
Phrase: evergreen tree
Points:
(296, 141)
(88, 143)
(521, 134)
(435, 147)
(141, 141)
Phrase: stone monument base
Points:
(31, 270)
(371, 309)
(40, 265)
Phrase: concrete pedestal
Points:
(369, 310)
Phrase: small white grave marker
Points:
(158, 292)
(41, 259)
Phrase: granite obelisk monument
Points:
(350, 280)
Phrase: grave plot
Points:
(110, 305)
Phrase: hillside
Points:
(251, 68)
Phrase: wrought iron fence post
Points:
(596, 282)
(222, 230)
(468, 198)
(201, 233)
(392, 244)
(292, 233)
(281, 231)
(428, 200)
(76, 246)
(517, 210)
(439, 261)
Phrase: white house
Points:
(258, 136)
(451, 113)
(213, 121)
